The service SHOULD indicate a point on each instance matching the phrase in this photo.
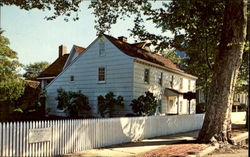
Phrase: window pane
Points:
(71, 78)
(160, 78)
(172, 81)
(101, 74)
(146, 75)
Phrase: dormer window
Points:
(101, 47)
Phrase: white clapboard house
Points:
(129, 70)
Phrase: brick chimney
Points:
(62, 50)
(122, 38)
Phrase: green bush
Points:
(145, 105)
(73, 103)
(106, 105)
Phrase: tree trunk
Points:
(217, 122)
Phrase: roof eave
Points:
(181, 72)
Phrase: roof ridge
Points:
(138, 52)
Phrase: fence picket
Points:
(4, 140)
(76, 135)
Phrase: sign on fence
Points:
(39, 135)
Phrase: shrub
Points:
(145, 105)
(200, 108)
(73, 103)
(106, 105)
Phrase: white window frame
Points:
(101, 81)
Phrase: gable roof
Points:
(32, 83)
(79, 49)
(75, 49)
(55, 68)
(135, 50)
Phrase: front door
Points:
(171, 105)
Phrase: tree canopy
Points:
(11, 85)
(196, 25)
(34, 69)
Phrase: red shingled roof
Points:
(32, 83)
(135, 50)
(55, 68)
(79, 49)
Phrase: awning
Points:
(172, 92)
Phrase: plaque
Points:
(39, 135)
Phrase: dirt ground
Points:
(185, 149)
(175, 150)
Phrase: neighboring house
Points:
(58, 65)
(128, 70)
(239, 99)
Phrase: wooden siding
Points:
(140, 87)
(119, 76)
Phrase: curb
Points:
(241, 138)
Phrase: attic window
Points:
(72, 78)
(101, 47)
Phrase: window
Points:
(189, 84)
(101, 48)
(160, 78)
(172, 81)
(146, 76)
(72, 78)
(181, 83)
(101, 74)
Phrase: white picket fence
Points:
(66, 136)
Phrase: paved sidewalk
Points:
(133, 148)
(181, 144)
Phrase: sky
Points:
(36, 39)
